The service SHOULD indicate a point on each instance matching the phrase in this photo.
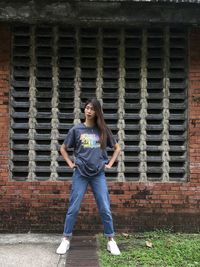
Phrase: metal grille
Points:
(139, 74)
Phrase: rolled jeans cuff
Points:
(67, 235)
(109, 235)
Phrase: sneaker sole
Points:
(111, 253)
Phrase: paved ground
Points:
(38, 250)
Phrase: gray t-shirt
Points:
(89, 157)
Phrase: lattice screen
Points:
(140, 75)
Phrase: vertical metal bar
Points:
(143, 111)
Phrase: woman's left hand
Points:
(107, 166)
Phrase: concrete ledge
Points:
(78, 12)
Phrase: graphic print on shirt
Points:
(90, 140)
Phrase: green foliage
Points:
(168, 250)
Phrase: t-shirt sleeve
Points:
(70, 138)
(111, 141)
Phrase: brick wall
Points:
(41, 206)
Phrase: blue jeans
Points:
(100, 191)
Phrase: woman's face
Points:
(89, 112)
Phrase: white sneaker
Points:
(64, 246)
(113, 248)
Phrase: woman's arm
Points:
(115, 154)
(63, 151)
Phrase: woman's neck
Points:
(89, 123)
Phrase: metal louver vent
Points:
(139, 74)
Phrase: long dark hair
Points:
(99, 120)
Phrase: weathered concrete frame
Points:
(110, 12)
(120, 105)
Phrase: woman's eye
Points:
(88, 108)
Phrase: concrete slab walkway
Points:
(38, 250)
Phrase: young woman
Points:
(89, 141)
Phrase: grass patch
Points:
(168, 250)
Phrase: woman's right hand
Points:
(72, 165)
